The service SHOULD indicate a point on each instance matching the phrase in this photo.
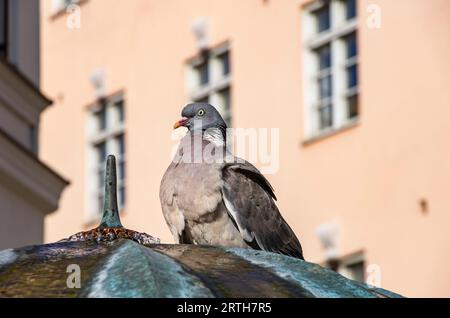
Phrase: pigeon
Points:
(210, 197)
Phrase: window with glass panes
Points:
(331, 65)
(106, 136)
(209, 80)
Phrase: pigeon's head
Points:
(200, 116)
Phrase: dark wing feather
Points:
(249, 199)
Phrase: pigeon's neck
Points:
(217, 136)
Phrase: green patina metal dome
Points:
(117, 262)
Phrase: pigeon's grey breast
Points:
(191, 200)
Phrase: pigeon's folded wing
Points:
(249, 199)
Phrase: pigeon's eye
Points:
(201, 112)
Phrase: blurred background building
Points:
(358, 90)
(29, 189)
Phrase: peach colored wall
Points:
(370, 177)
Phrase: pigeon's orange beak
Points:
(181, 123)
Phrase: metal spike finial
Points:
(110, 216)
(110, 227)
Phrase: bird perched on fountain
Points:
(210, 197)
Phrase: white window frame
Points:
(335, 37)
(217, 81)
(115, 128)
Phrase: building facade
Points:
(357, 91)
(29, 189)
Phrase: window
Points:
(209, 80)
(331, 66)
(106, 125)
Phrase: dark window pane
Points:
(120, 111)
(323, 18)
(101, 178)
(121, 170)
(100, 204)
(352, 104)
(225, 97)
(226, 104)
(325, 117)
(121, 196)
(225, 62)
(352, 76)
(357, 271)
(101, 152)
(121, 144)
(203, 73)
(325, 87)
(350, 9)
(101, 118)
(324, 57)
(352, 49)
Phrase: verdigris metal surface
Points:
(124, 268)
(228, 275)
(319, 281)
(112, 261)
